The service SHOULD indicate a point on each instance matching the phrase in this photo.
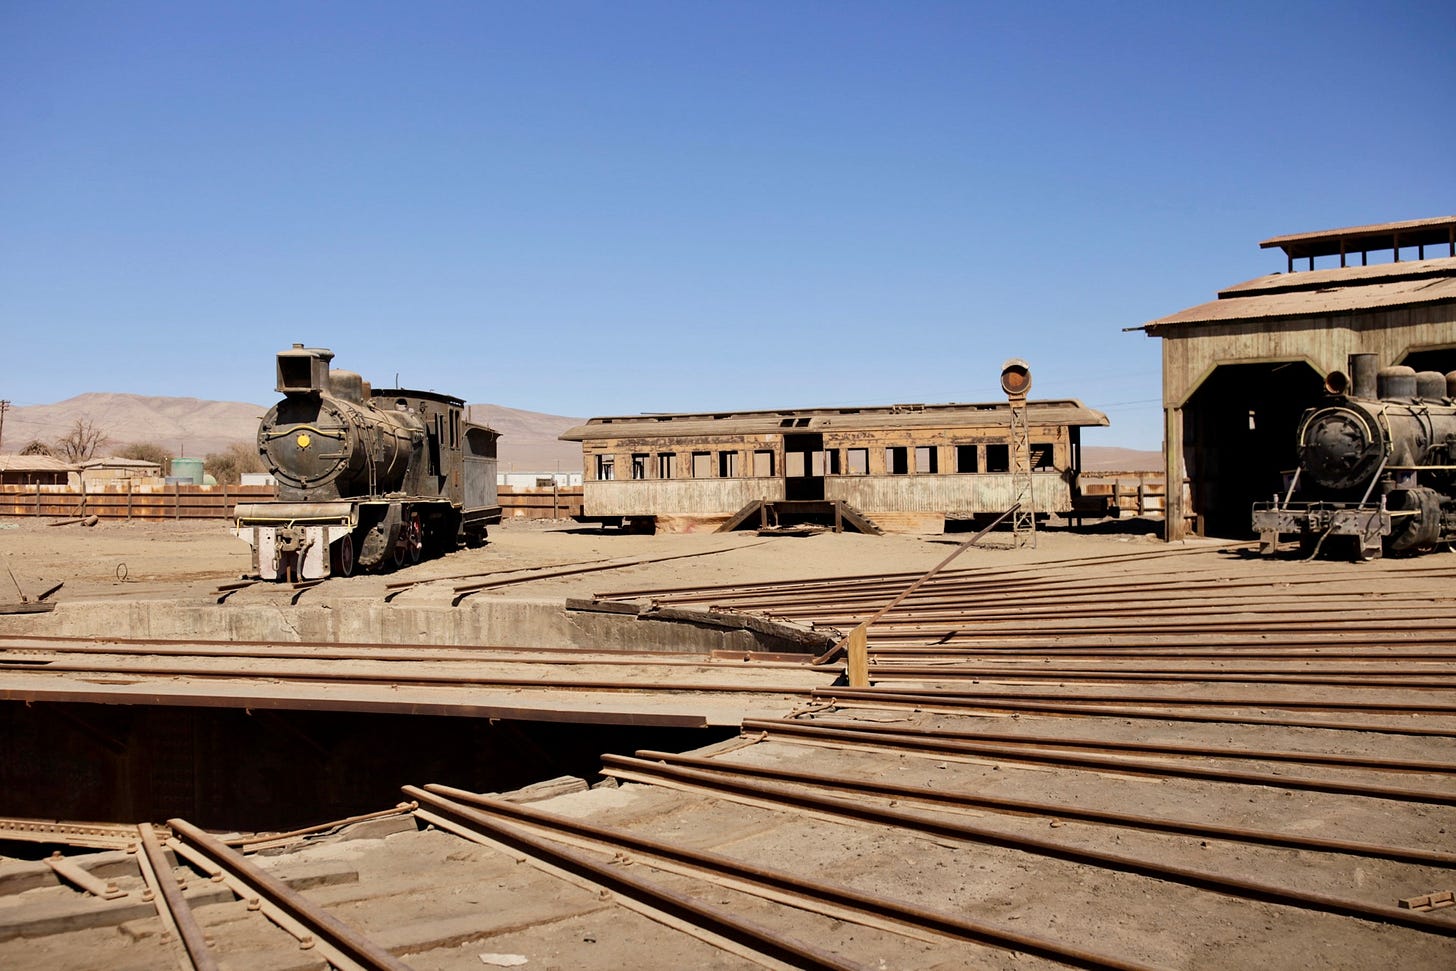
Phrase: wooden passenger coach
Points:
(900, 468)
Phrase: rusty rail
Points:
(779, 796)
(342, 945)
(1076, 708)
(816, 895)
(767, 943)
(1162, 824)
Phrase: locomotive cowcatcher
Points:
(367, 478)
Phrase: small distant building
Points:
(257, 479)
(36, 470)
(1239, 371)
(98, 473)
(538, 480)
(898, 468)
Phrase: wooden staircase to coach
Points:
(764, 513)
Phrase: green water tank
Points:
(188, 470)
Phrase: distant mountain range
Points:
(194, 427)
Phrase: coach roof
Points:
(810, 420)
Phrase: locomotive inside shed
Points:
(1238, 371)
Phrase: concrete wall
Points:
(494, 622)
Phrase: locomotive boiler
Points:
(1377, 463)
(367, 478)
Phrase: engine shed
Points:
(897, 468)
(1239, 370)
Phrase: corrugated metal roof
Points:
(811, 420)
(34, 463)
(1334, 299)
(115, 462)
(1342, 277)
(1377, 236)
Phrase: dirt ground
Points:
(147, 560)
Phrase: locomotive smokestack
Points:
(304, 370)
(1363, 368)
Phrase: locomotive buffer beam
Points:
(1315, 521)
(292, 539)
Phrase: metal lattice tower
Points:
(1016, 382)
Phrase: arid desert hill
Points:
(195, 427)
(191, 426)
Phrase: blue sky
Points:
(601, 208)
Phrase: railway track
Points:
(1209, 770)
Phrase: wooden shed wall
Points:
(1191, 353)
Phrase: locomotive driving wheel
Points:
(414, 540)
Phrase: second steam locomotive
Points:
(1377, 462)
(367, 478)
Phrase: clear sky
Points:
(592, 208)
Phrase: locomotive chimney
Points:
(1363, 368)
(304, 370)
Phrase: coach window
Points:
(897, 460)
(858, 461)
(666, 465)
(606, 467)
(763, 463)
(998, 458)
(639, 465)
(702, 465)
(927, 459)
(1043, 455)
(727, 465)
(966, 459)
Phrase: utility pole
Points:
(4, 407)
(1016, 382)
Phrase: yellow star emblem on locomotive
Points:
(303, 440)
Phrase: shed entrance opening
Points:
(1439, 359)
(1239, 431)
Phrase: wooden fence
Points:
(128, 502)
(216, 502)
(543, 502)
(1135, 493)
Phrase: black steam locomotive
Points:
(1377, 462)
(367, 478)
